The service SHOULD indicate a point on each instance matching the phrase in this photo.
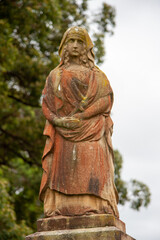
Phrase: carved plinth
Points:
(92, 221)
(93, 227)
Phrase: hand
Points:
(78, 115)
(67, 122)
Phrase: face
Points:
(74, 47)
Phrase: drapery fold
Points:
(80, 160)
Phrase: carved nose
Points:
(75, 44)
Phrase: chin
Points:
(75, 54)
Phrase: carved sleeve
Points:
(99, 107)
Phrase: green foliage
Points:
(135, 192)
(99, 51)
(31, 31)
(24, 188)
(105, 21)
(31, 34)
(106, 18)
(140, 194)
(9, 228)
(120, 184)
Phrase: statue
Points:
(78, 170)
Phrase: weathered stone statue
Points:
(78, 176)
(77, 187)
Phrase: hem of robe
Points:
(57, 203)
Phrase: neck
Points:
(74, 61)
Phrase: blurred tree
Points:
(9, 228)
(31, 31)
(134, 192)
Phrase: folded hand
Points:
(67, 122)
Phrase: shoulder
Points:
(54, 77)
(101, 77)
(54, 73)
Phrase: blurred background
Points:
(126, 38)
(132, 64)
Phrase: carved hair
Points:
(83, 56)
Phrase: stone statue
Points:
(78, 170)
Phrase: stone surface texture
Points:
(93, 227)
(77, 186)
(101, 233)
(62, 223)
(77, 99)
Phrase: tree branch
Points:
(14, 136)
(23, 102)
(7, 116)
(18, 154)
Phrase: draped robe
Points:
(78, 161)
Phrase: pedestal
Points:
(92, 227)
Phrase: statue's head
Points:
(77, 36)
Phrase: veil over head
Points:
(82, 34)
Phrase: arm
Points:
(47, 113)
(66, 122)
(99, 107)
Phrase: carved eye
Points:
(71, 40)
(80, 41)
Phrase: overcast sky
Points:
(132, 64)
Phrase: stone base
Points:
(90, 221)
(93, 227)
